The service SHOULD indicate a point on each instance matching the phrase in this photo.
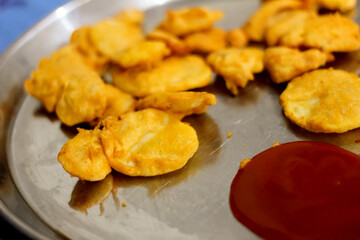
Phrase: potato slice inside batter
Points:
(206, 41)
(176, 44)
(83, 156)
(325, 100)
(145, 53)
(236, 66)
(185, 21)
(81, 39)
(82, 100)
(112, 36)
(283, 23)
(331, 33)
(255, 27)
(284, 63)
(48, 80)
(147, 143)
(178, 104)
(236, 38)
(87, 99)
(173, 74)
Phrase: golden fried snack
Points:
(178, 104)
(117, 102)
(255, 27)
(81, 39)
(185, 21)
(284, 23)
(325, 100)
(284, 63)
(341, 5)
(145, 53)
(176, 45)
(236, 66)
(82, 100)
(113, 35)
(130, 16)
(236, 38)
(83, 156)
(206, 41)
(331, 33)
(147, 143)
(173, 74)
(52, 75)
(88, 99)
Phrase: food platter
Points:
(191, 203)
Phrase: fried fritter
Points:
(176, 44)
(145, 53)
(331, 33)
(87, 99)
(178, 104)
(255, 27)
(325, 100)
(112, 36)
(173, 74)
(82, 100)
(206, 41)
(117, 102)
(83, 156)
(147, 143)
(236, 38)
(81, 39)
(237, 66)
(130, 16)
(52, 75)
(284, 63)
(185, 21)
(284, 23)
(341, 5)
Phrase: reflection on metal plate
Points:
(192, 203)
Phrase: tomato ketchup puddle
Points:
(299, 190)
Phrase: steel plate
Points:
(191, 203)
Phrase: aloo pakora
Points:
(145, 53)
(236, 38)
(83, 156)
(237, 66)
(172, 75)
(53, 74)
(87, 99)
(256, 25)
(284, 23)
(206, 41)
(114, 35)
(173, 42)
(117, 102)
(185, 21)
(283, 64)
(80, 38)
(330, 32)
(178, 104)
(147, 143)
(324, 100)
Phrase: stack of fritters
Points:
(138, 115)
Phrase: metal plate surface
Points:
(191, 203)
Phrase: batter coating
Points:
(325, 100)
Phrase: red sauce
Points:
(299, 190)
